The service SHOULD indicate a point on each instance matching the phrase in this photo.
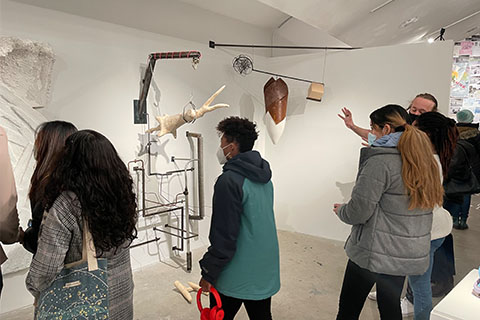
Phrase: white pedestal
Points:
(460, 303)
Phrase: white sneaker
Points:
(407, 307)
(372, 296)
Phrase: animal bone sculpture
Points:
(170, 124)
(185, 291)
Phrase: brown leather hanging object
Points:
(276, 96)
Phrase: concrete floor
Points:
(311, 273)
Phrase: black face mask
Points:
(411, 118)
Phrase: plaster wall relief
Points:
(25, 81)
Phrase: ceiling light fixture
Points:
(408, 22)
(381, 6)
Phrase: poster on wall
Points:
(455, 106)
(474, 88)
(465, 88)
(474, 67)
(466, 48)
(474, 106)
(459, 85)
(456, 49)
(476, 49)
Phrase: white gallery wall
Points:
(97, 75)
(315, 163)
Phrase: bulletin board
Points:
(465, 82)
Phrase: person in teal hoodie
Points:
(242, 262)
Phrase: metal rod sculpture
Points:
(152, 58)
(244, 65)
(213, 45)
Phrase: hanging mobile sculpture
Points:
(276, 98)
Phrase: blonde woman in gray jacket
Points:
(398, 185)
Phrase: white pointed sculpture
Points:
(275, 130)
(170, 124)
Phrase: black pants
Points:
(444, 261)
(256, 309)
(358, 282)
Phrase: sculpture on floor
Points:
(25, 80)
(276, 98)
(170, 123)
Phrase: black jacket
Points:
(469, 133)
(228, 208)
(30, 239)
(466, 155)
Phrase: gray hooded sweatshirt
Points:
(386, 237)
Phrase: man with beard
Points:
(423, 102)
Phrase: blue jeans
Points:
(421, 287)
(458, 210)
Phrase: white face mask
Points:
(222, 158)
(371, 138)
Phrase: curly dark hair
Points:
(239, 130)
(90, 167)
(443, 134)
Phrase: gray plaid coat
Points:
(60, 242)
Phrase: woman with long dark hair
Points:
(397, 187)
(49, 141)
(443, 135)
(91, 182)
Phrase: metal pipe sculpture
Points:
(170, 124)
(276, 98)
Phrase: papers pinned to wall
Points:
(465, 84)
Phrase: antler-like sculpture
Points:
(170, 124)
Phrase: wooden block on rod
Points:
(315, 91)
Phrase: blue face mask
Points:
(371, 138)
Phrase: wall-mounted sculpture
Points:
(170, 123)
(25, 69)
(140, 105)
(25, 80)
(276, 98)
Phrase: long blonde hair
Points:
(420, 171)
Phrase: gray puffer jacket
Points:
(386, 237)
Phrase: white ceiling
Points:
(249, 11)
(353, 23)
(341, 21)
